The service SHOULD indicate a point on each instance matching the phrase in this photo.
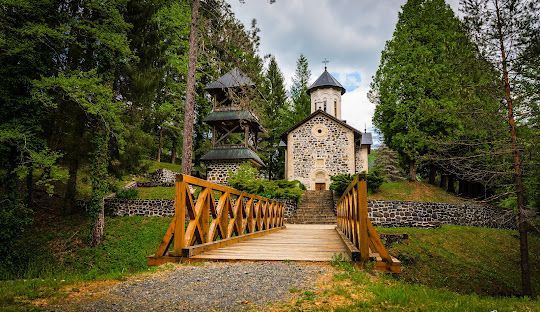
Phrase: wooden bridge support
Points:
(209, 216)
(357, 232)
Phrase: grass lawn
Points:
(444, 269)
(154, 165)
(158, 192)
(414, 191)
(59, 255)
(350, 289)
(465, 259)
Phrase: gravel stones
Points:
(213, 286)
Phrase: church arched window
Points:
(335, 108)
(325, 106)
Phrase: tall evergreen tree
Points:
(301, 102)
(418, 82)
(273, 109)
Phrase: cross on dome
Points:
(325, 61)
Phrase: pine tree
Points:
(503, 30)
(301, 102)
(387, 163)
(273, 108)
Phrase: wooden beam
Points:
(180, 216)
(353, 252)
(363, 216)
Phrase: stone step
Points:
(316, 207)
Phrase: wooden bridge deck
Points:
(298, 242)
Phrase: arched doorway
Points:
(320, 180)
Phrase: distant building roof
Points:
(233, 153)
(233, 115)
(234, 78)
(326, 80)
(367, 138)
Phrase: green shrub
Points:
(246, 179)
(374, 181)
(341, 181)
(130, 193)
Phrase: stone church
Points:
(323, 144)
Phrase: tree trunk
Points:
(29, 185)
(71, 187)
(451, 187)
(432, 174)
(461, 187)
(173, 152)
(160, 144)
(522, 226)
(444, 181)
(189, 114)
(412, 171)
(99, 225)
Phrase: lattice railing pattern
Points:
(206, 212)
(354, 223)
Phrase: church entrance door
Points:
(320, 186)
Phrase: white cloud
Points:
(350, 33)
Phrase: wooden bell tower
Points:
(235, 129)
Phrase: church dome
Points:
(324, 81)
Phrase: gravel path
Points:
(208, 287)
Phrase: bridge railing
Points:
(210, 215)
(355, 228)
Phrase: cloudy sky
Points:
(350, 33)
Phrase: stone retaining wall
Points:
(290, 207)
(162, 207)
(139, 207)
(403, 213)
(381, 213)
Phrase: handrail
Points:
(218, 214)
(354, 223)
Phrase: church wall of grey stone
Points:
(318, 149)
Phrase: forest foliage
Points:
(99, 86)
(441, 101)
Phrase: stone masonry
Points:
(403, 213)
(218, 171)
(318, 208)
(318, 149)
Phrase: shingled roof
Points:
(233, 153)
(234, 78)
(326, 80)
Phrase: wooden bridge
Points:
(215, 222)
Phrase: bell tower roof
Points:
(326, 80)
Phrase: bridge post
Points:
(363, 216)
(179, 215)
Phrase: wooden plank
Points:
(352, 251)
(197, 249)
(295, 242)
(166, 242)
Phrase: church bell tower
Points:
(326, 94)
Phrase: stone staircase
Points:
(316, 207)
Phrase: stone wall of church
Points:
(361, 158)
(318, 149)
